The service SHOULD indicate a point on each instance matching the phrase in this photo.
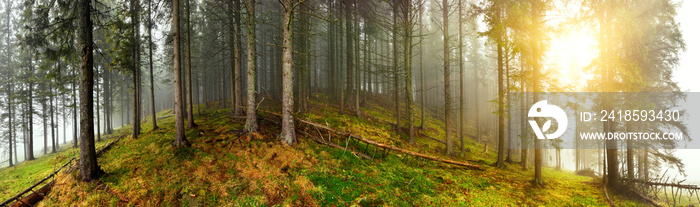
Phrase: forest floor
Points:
(223, 168)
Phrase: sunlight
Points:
(570, 53)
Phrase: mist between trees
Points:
(74, 70)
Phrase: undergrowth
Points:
(227, 168)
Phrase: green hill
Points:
(225, 168)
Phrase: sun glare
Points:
(570, 53)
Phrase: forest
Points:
(347, 103)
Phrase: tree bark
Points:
(288, 135)
(349, 51)
(97, 106)
(358, 71)
(136, 126)
(180, 139)
(190, 115)
(9, 82)
(501, 115)
(408, 69)
(524, 136)
(395, 59)
(251, 123)
(29, 148)
(150, 67)
(420, 66)
(446, 67)
(89, 169)
(44, 121)
(75, 113)
(238, 104)
(461, 78)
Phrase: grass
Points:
(225, 169)
(19, 177)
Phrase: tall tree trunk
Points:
(238, 104)
(630, 153)
(29, 147)
(395, 59)
(136, 126)
(251, 123)
(358, 71)
(523, 126)
(44, 121)
(180, 139)
(190, 115)
(75, 112)
(408, 69)
(340, 56)
(89, 169)
(446, 66)
(420, 66)
(501, 115)
(536, 14)
(97, 106)
(288, 135)
(349, 49)
(332, 48)
(506, 99)
(9, 81)
(10, 125)
(460, 23)
(107, 102)
(611, 145)
(150, 67)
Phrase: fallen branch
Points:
(163, 117)
(336, 146)
(645, 198)
(434, 139)
(677, 185)
(34, 197)
(108, 146)
(605, 189)
(360, 138)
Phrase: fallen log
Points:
(360, 138)
(163, 117)
(34, 197)
(108, 146)
(677, 185)
(336, 146)
(434, 139)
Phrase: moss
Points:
(223, 168)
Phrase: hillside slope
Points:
(223, 168)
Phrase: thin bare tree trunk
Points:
(150, 67)
(190, 115)
(97, 106)
(238, 108)
(501, 115)
(422, 72)
(408, 69)
(136, 126)
(446, 66)
(460, 23)
(395, 52)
